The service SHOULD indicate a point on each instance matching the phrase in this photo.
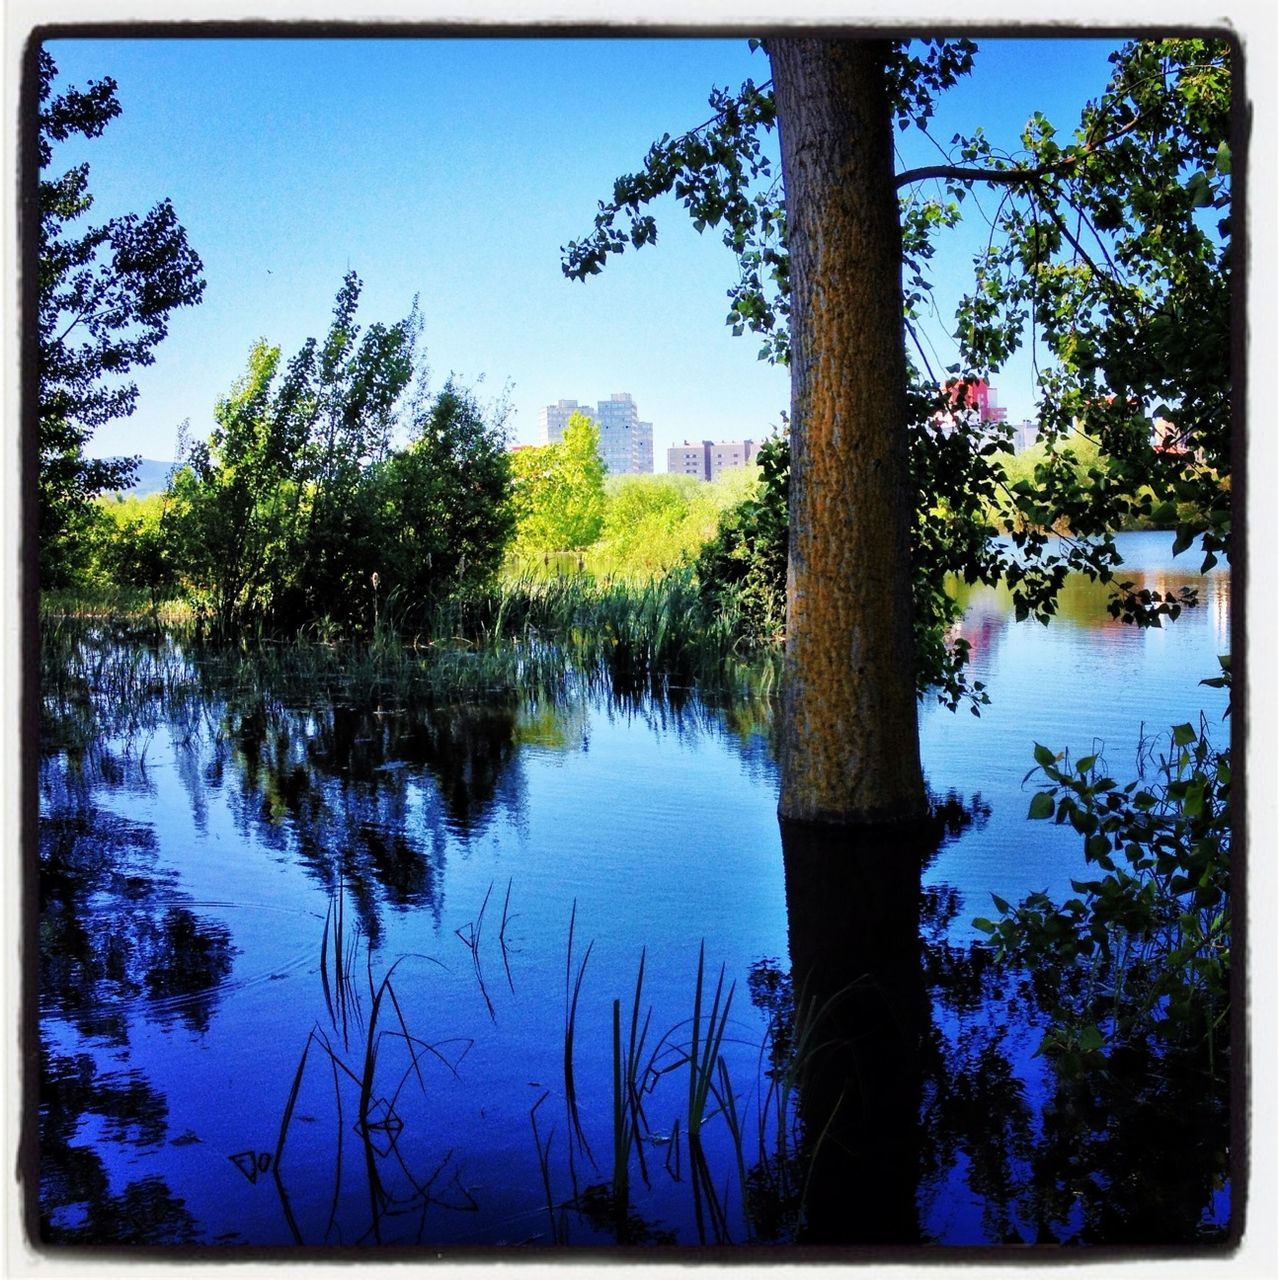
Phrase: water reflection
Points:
(1132, 1152)
(113, 932)
(853, 913)
(116, 939)
(923, 1115)
(1082, 602)
(926, 1094)
(77, 1202)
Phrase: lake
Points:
(324, 966)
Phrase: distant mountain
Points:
(152, 476)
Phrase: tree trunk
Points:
(849, 746)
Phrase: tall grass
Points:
(525, 638)
(762, 1143)
(378, 1092)
(572, 993)
(740, 1164)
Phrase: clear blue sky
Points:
(455, 170)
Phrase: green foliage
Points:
(559, 490)
(1115, 246)
(238, 502)
(746, 561)
(654, 523)
(1142, 954)
(299, 510)
(105, 294)
(1110, 250)
(337, 406)
(442, 517)
(136, 546)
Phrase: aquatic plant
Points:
(1144, 951)
(378, 1122)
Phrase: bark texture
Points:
(849, 746)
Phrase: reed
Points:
(544, 1165)
(119, 676)
(572, 993)
(471, 940)
(502, 936)
(376, 1100)
(339, 995)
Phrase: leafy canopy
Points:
(559, 490)
(1110, 249)
(299, 508)
(104, 298)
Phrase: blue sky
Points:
(455, 170)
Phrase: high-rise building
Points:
(626, 443)
(553, 418)
(642, 452)
(707, 459)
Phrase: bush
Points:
(746, 561)
(1142, 954)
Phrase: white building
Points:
(1025, 434)
(706, 459)
(626, 443)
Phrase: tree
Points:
(237, 500)
(104, 299)
(339, 403)
(444, 515)
(137, 547)
(848, 744)
(1104, 246)
(275, 507)
(559, 490)
(298, 507)
(652, 523)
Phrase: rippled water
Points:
(206, 860)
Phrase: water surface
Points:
(230, 869)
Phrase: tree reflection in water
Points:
(115, 938)
(922, 1112)
(928, 1093)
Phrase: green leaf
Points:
(1193, 801)
(981, 922)
(1199, 190)
(1084, 822)
(1091, 1039)
(1044, 756)
(1183, 735)
(1041, 805)
(1001, 905)
(1097, 846)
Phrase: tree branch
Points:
(1018, 176)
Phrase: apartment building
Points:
(626, 443)
(706, 459)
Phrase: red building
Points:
(974, 395)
